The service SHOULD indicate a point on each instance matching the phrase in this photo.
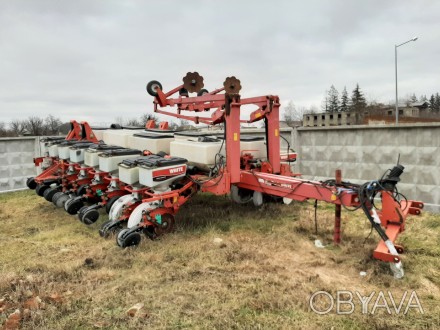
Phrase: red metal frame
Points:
(272, 177)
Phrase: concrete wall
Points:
(364, 153)
(16, 161)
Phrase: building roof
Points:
(420, 104)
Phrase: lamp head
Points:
(414, 39)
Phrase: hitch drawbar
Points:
(388, 222)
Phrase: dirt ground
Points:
(227, 266)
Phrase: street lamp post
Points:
(395, 57)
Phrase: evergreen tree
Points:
(344, 100)
(423, 98)
(358, 102)
(333, 99)
(432, 103)
(437, 102)
(324, 103)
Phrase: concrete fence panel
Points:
(16, 161)
(366, 152)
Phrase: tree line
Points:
(335, 103)
(33, 125)
(356, 102)
(51, 125)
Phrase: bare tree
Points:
(146, 117)
(17, 127)
(133, 122)
(3, 130)
(289, 113)
(119, 120)
(294, 114)
(35, 126)
(52, 124)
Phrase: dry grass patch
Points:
(261, 275)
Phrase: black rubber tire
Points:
(81, 190)
(131, 239)
(89, 217)
(151, 87)
(103, 231)
(74, 206)
(119, 240)
(110, 203)
(67, 202)
(60, 200)
(48, 193)
(110, 227)
(30, 183)
(240, 195)
(56, 196)
(81, 211)
(40, 189)
(45, 193)
(202, 92)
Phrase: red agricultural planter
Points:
(248, 178)
(58, 171)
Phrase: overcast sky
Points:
(90, 60)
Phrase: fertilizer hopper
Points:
(120, 137)
(153, 142)
(200, 149)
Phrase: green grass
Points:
(261, 276)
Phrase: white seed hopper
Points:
(119, 137)
(46, 142)
(64, 148)
(195, 135)
(109, 160)
(198, 153)
(160, 172)
(254, 145)
(99, 132)
(200, 148)
(151, 142)
(129, 170)
(77, 151)
(53, 147)
(91, 154)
